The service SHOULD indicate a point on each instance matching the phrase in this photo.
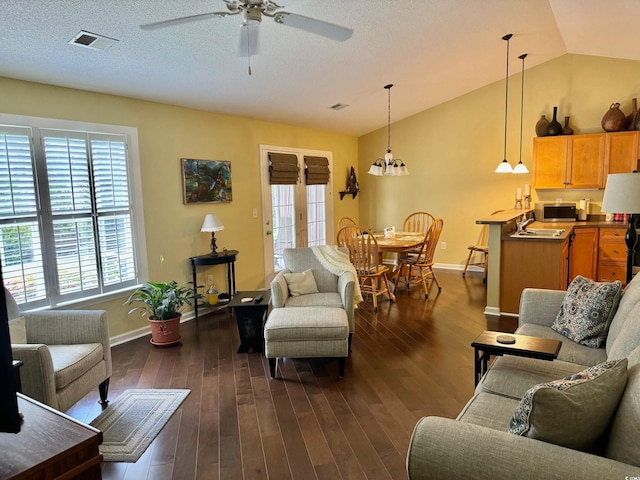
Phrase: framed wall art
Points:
(206, 181)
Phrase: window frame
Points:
(130, 134)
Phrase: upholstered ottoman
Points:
(305, 332)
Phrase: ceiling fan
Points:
(252, 12)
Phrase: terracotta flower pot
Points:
(165, 333)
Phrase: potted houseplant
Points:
(162, 304)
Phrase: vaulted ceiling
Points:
(431, 50)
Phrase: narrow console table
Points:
(228, 258)
(50, 445)
(487, 344)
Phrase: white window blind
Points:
(65, 215)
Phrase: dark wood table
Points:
(525, 346)
(50, 445)
(228, 258)
(251, 317)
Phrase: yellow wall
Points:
(166, 134)
(451, 150)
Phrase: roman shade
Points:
(283, 168)
(316, 170)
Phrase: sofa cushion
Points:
(624, 436)
(575, 411)
(570, 351)
(70, 362)
(488, 410)
(301, 259)
(301, 283)
(328, 299)
(630, 298)
(587, 310)
(628, 338)
(512, 376)
(18, 330)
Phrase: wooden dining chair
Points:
(419, 268)
(362, 248)
(418, 222)
(346, 222)
(482, 248)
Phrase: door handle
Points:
(269, 232)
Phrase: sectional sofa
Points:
(478, 444)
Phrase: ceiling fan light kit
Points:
(388, 165)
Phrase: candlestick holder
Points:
(527, 201)
(518, 204)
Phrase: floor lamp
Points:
(622, 195)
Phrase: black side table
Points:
(251, 317)
(228, 258)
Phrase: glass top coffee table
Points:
(493, 343)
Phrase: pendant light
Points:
(388, 165)
(521, 167)
(505, 166)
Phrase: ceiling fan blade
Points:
(188, 19)
(319, 27)
(248, 44)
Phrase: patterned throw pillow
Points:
(587, 310)
(575, 411)
(301, 283)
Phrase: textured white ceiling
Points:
(431, 50)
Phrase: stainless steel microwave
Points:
(555, 212)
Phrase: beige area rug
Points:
(134, 419)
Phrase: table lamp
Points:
(212, 224)
(622, 195)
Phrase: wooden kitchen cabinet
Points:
(621, 152)
(612, 255)
(531, 263)
(583, 161)
(583, 253)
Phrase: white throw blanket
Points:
(337, 262)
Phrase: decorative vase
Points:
(567, 130)
(554, 128)
(614, 119)
(631, 120)
(165, 333)
(541, 126)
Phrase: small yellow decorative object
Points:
(212, 295)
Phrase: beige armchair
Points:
(333, 290)
(66, 354)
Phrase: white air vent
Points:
(339, 106)
(92, 41)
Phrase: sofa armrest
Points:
(540, 306)
(346, 285)
(36, 373)
(442, 448)
(70, 327)
(279, 289)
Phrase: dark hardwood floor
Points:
(410, 359)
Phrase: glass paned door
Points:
(293, 215)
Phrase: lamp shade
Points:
(211, 223)
(504, 167)
(622, 193)
(520, 168)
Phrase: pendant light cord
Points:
(388, 87)
(522, 57)
(506, 95)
